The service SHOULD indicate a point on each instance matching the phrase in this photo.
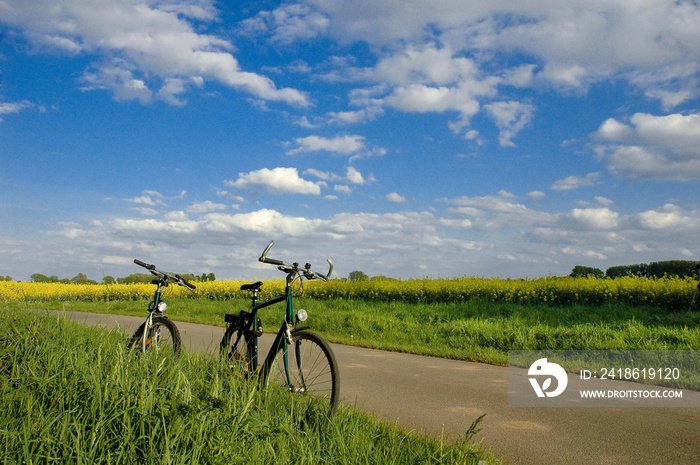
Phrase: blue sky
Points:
(397, 137)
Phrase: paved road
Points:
(428, 394)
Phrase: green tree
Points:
(109, 280)
(357, 276)
(189, 277)
(81, 278)
(136, 278)
(583, 271)
(211, 277)
(39, 278)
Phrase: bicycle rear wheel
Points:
(233, 349)
(163, 338)
(311, 370)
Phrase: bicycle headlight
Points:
(302, 315)
(162, 306)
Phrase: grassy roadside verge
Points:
(73, 394)
(474, 330)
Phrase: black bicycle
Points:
(300, 360)
(158, 332)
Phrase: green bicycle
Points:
(158, 332)
(300, 360)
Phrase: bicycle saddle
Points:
(252, 286)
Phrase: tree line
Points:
(81, 278)
(678, 268)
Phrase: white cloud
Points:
(596, 218)
(652, 147)
(324, 175)
(7, 108)
(489, 235)
(171, 91)
(354, 176)
(613, 130)
(228, 195)
(536, 195)
(261, 221)
(575, 182)
(345, 145)
(116, 260)
(669, 217)
(151, 226)
(342, 189)
(652, 45)
(140, 46)
(394, 197)
(288, 24)
(356, 116)
(275, 181)
(510, 117)
(145, 211)
(495, 212)
(426, 65)
(147, 199)
(603, 200)
(176, 216)
(206, 206)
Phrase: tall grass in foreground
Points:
(72, 394)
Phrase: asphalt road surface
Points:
(437, 396)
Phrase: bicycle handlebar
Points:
(175, 278)
(294, 267)
(145, 265)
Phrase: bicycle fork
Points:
(284, 340)
(145, 340)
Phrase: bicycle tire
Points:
(234, 350)
(163, 337)
(313, 369)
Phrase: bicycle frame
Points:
(284, 335)
(151, 311)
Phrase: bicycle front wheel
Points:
(163, 337)
(308, 367)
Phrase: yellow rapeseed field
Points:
(671, 293)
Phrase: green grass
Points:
(473, 330)
(73, 394)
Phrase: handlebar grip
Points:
(188, 284)
(272, 261)
(145, 265)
